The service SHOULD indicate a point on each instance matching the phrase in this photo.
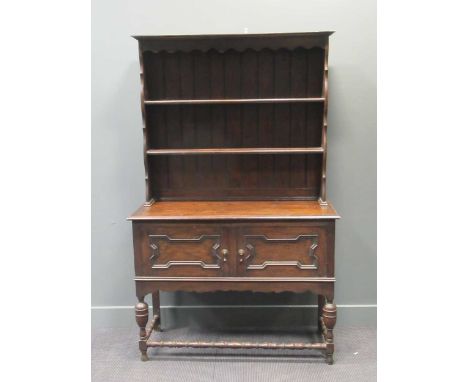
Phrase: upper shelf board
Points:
(239, 150)
(231, 101)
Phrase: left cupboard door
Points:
(181, 250)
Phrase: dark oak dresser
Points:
(235, 150)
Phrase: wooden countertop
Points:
(234, 210)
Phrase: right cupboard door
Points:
(283, 250)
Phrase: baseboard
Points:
(237, 315)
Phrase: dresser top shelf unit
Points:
(235, 117)
(234, 210)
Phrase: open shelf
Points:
(231, 101)
(232, 126)
(266, 73)
(240, 150)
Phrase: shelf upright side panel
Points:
(323, 188)
(143, 97)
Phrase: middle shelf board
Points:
(240, 150)
(230, 101)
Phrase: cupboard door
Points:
(282, 250)
(181, 250)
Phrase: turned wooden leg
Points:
(157, 310)
(329, 320)
(320, 304)
(141, 315)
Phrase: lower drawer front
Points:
(180, 250)
(282, 251)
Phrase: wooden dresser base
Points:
(235, 246)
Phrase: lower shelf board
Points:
(317, 341)
(237, 345)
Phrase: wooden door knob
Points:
(241, 253)
(224, 252)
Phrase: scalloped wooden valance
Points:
(238, 42)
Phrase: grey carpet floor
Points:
(115, 357)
